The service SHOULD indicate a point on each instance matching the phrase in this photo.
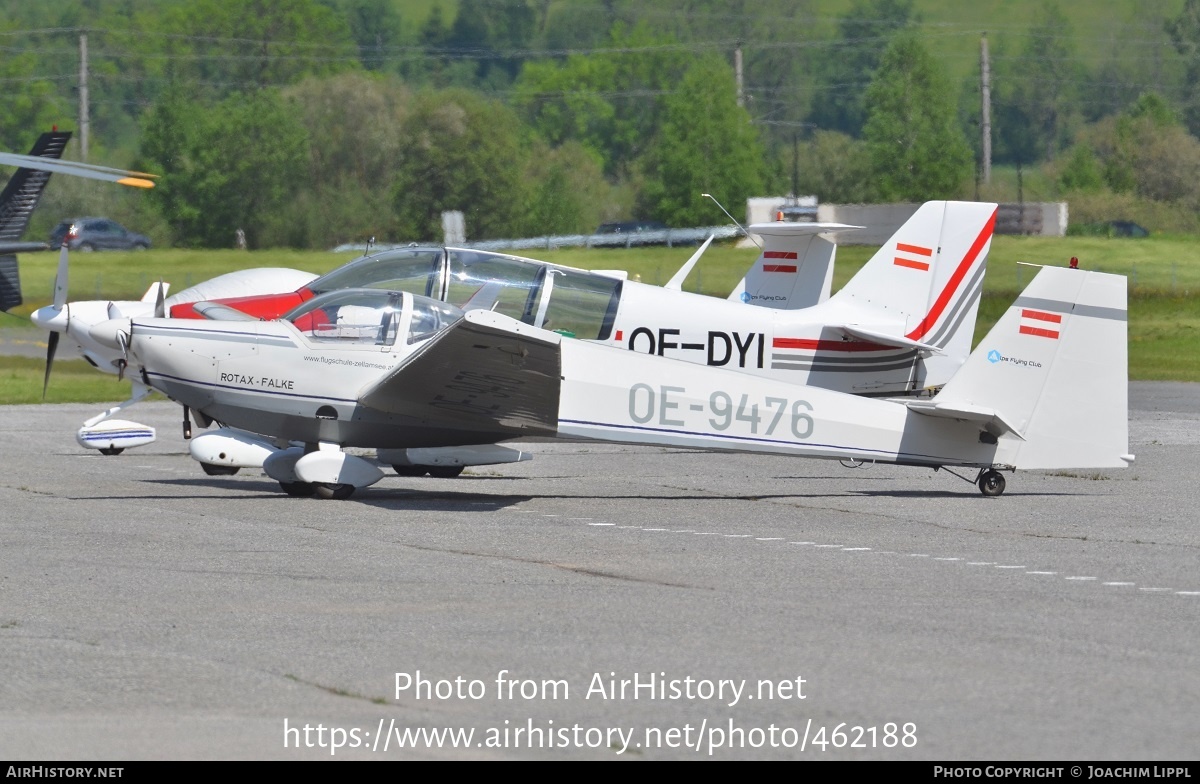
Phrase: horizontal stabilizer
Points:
(990, 418)
(887, 339)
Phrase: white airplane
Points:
(75, 319)
(903, 325)
(393, 371)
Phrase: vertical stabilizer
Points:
(24, 188)
(1054, 371)
(795, 268)
(926, 279)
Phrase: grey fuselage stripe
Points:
(1062, 306)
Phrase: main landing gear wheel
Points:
(219, 470)
(331, 492)
(444, 472)
(298, 489)
(112, 450)
(991, 482)
(409, 470)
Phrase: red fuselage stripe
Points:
(827, 345)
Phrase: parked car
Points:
(1115, 228)
(89, 234)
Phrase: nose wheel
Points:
(991, 482)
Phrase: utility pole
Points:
(737, 70)
(985, 85)
(83, 98)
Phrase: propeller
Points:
(160, 309)
(59, 306)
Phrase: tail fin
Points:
(795, 268)
(1054, 372)
(24, 188)
(20, 195)
(923, 284)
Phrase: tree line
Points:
(308, 123)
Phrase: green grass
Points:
(71, 381)
(1164, 276)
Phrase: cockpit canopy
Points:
(371, 316)
(573, 302)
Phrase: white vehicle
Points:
(393, 371)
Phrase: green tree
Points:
(240, 45)
(462, 152)
(1184, 31)
(1147, 151)
(231, 165)
(1082, 171)
(706, 145)
(611, 101)
(568, 190)
(354, 122)
(1035, 95)
(835, 168)
(915, 146)
(846, 70)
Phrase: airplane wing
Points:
(487, 376)
(91, 171)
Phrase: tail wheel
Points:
(991, 483)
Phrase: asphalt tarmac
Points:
(598, 602)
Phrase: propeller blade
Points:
(51, 347)
(60, 279)
(160, 309)
(113, 311)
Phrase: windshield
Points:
(415, 270)
(374, 317)
(575, 303)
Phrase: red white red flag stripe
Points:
(1040, 323)
(912, 250)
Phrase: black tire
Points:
(112, 450)
(298, 489)
(444, 472)
(331, 492)
(219, 470)
(991, 483)
(409, 470)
